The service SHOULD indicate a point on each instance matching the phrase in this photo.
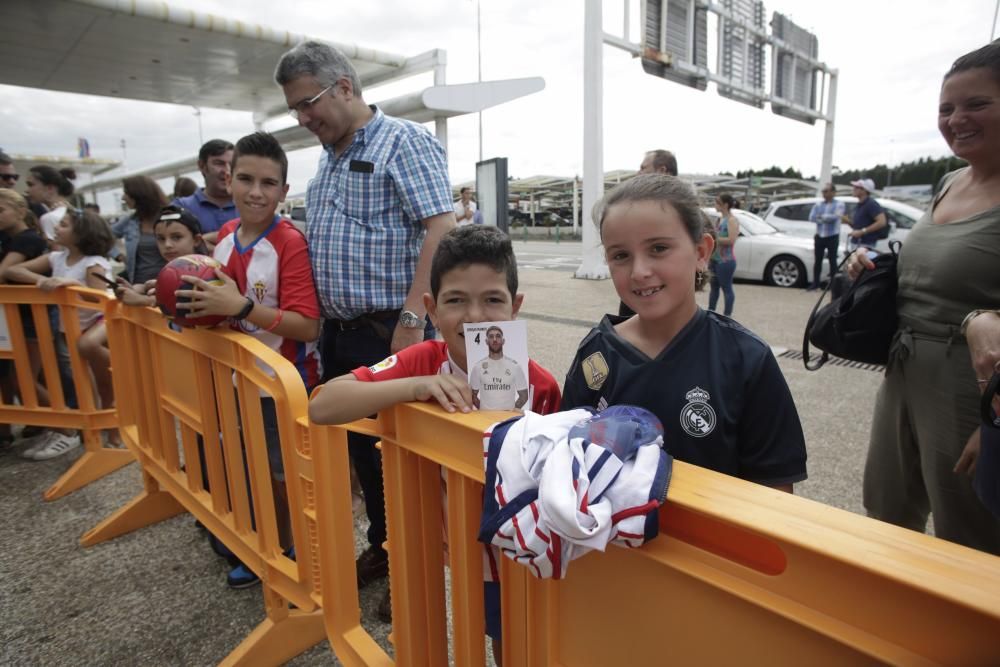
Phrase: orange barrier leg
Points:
(281, 636)
(92, 465)
(149, 507)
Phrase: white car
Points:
(792, 216)
(764, 253)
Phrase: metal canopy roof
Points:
(88, 165)
(146, 50)
(429, 104)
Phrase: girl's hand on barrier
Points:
(451, 392)
(858, 262)
(51, 284)
(131, 297)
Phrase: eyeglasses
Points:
(10, 177)
(305, 105)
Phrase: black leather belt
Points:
(373, 321)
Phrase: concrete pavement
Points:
(158, 596)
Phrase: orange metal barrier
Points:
(740, 573)
(97, 460)
(176, 388)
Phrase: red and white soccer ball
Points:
(169, 281)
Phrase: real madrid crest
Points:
(595, 370)
(698, 417)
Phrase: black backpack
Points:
(859, 324)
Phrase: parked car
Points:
(764, 253)
(792, 216)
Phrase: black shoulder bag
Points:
(859, 324)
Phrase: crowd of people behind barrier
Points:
(381, 270)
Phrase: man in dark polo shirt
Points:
(212, 204)
(869, 218)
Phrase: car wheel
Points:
(785, 271)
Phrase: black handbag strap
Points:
(818, 364)
(815, 366)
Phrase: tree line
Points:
(926, 170)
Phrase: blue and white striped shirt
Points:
(364, 213)
(826, 215)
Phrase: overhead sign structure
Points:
(675, 30)
(794, 77)
(741, 52)
(674, 46)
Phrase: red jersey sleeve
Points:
(417, 360)
(296, 289)
(546, 397)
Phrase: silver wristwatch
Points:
(410, 320)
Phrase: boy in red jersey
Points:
(473, 279)
(267, 290)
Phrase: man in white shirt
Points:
(497, 382)
(465, 208)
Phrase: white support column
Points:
(826, 169)
(576, 204)
(592, 264)
(441, 124)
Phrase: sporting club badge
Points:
(595, 370)
(697, 416)
(383, 365)
(260, 290)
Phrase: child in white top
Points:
(85, 238)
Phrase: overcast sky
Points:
(891, 55)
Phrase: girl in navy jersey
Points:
(85, 239)
(715, 386)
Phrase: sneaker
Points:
(372, 564)
(34, 443)
(242, 577)
(57, 445)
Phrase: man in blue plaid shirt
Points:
(828, 216)
(375, 212)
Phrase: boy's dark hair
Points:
(474, 244)
(92, 233)
(262, 144)
(171, 214)
(213, 148)
(146, 194)
(5, 159)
